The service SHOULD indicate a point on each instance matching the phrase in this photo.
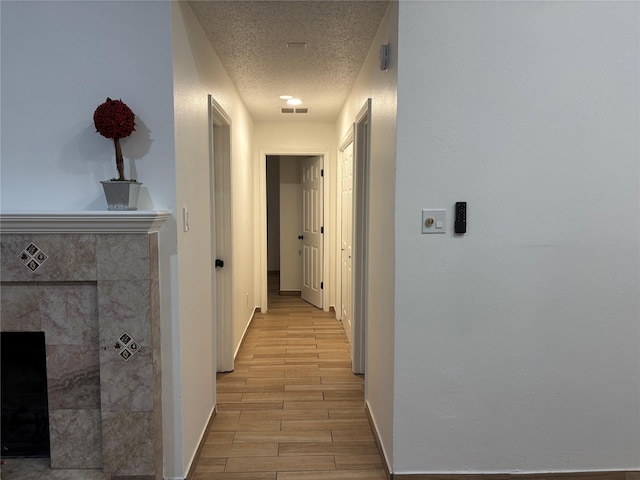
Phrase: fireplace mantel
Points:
(134, 221)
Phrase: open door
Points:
(220, 151)
(312, 230)
(346, 240)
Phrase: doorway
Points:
(354, 237)
(294, 226)
(361, 235)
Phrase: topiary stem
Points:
(119, 159)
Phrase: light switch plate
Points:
(434, 221)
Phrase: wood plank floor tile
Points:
(271, 359)
(246, 374)
(325, 387)
(357, 461)
(374, 474)
(235, 476)
(295, 395)
(245, 388)
(342, 379)
(291, 409)
(329, 424)
(206, 465)
(285, 415)
(242, 406)
(227, 416)
(229, 397)
(219, 437)
(280, 464)
(280, 436)
(239, 450)
(297, 404)
(328, 448)
(291, 370)
(342, 394)
(350, 435)
(307, 380)
(245, 426)
(348, 413)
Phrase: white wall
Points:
(291, 138)
(197, 73)
(381, 88)
(290, 223)
(517, 344)
(60, 60)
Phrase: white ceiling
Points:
(251, 37)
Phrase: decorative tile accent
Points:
(126, 346)
(33, 257)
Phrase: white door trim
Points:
(362, 147)
(261, 265)
(222, 242)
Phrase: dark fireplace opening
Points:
(23, 397)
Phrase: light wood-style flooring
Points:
(291, 409)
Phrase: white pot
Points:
(121, 194)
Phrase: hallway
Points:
(292, 409)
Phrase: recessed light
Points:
(285, 97)
(294, 101)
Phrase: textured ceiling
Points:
(251, 37)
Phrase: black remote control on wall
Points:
(460, 224)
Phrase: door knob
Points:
(300, 237)
(219, 263)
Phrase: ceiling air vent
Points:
(294, 110)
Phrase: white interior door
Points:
(312, 226)
(221, 234)
(346, 243)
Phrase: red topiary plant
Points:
(114, 119)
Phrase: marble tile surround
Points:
(105, 412)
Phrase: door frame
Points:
(261, 274)
(221, 235)
(362, 167)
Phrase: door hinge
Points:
(322, 172)
(321, 229)
(321, 285)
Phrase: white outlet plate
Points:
(434, 221)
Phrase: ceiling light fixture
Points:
(294, 101)
(285, 97)
(296, 45)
